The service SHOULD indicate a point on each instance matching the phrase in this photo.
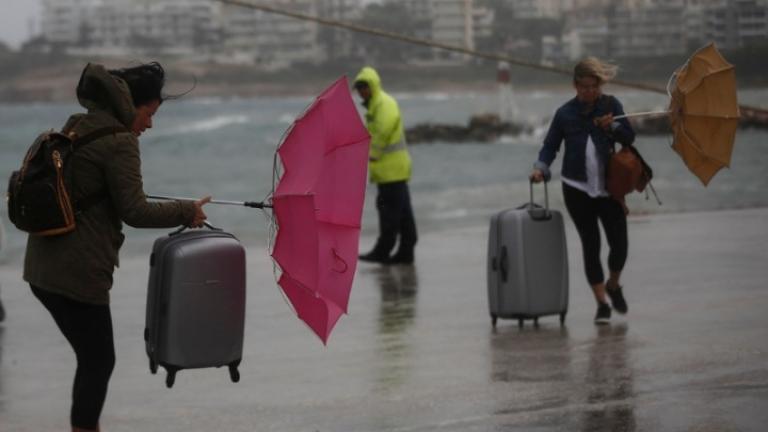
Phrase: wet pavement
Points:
(418, 353)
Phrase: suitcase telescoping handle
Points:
(536, 212)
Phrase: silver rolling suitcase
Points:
(527, 263)
(196, 302)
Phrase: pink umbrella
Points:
(318, 204)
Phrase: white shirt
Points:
(595, 184)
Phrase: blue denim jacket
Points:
(573, 123)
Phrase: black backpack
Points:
(38, 198)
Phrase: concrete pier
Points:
(417, 351)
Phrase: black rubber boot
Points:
(402, 257)
(374, 257)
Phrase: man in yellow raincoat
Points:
(390, 169)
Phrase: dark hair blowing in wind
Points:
(145, 82)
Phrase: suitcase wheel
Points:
(152, 366)
(562, 318)
(494, 318)
(170, 378)
(234, 374)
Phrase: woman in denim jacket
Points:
(586, 124)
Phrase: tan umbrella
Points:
(703, 112)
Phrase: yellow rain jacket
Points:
(389, 160)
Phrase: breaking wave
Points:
(203, 126)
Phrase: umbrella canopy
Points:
(704, 112)
(318, 205)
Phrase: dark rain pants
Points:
(88, 329)
(395, 220)
(585, 212)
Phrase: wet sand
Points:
(417, 351)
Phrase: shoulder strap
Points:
(655, 195)
(646, 168)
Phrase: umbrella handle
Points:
(251, 204)
(642, 114)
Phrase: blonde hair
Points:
(594, 67)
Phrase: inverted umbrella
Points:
(703, 112)
(318, 204)
(317, 207)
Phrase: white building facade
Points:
(652, 29)
(208, 30)
(121, 27)
(451, 22)
(269, 40)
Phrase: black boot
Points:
(402, 257)
(374, 257)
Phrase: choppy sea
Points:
(225, 146)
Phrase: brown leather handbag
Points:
(628, 172)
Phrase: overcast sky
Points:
(14, 20)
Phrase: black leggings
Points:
(88, 328)
(585, 212)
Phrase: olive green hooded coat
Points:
(79, 265)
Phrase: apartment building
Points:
(653, 28)
(268, 40)
(648, 29)
(450, 22)
(540, 8)
(196, 29)
(482, 21)
(120, 27)
(586, 32)
(736, 23)
(205, 30)
(338, 43)
(61, 20)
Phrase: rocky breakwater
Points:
(484, 128)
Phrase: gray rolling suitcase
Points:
(196, 302)
(527, 263)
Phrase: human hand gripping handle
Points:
(604, 122)
(199, 219)
(537, 176)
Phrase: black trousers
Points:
(88, 328)
(585, 212)
(395, 220)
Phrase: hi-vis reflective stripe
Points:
(400, 145)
